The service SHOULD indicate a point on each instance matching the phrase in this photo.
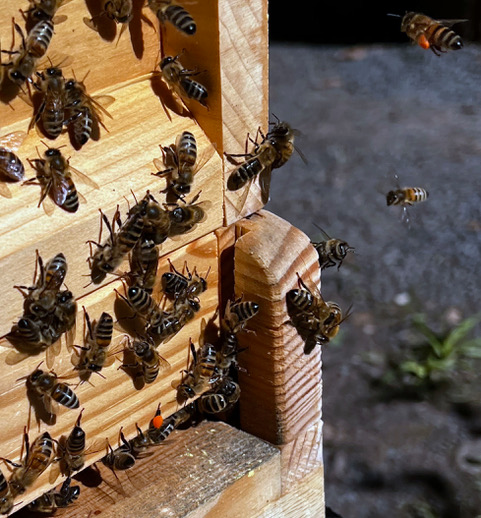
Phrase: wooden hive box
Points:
(281, 400)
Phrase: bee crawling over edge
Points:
(11, 167)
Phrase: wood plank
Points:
(114, 401)
(211, 471)
(119, 162)
(305, 499)
(245, 88)
(281, 386)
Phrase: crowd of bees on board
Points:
(208, 385)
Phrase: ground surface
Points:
(365, 114)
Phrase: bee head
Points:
(53, 72)
(166, 61)
(52, 152)
(392, 197)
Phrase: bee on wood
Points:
(109, 255)
(51, 111)
(44, 9)
(47, 388)
(331, 251)
(157, 221)
(272, 152)
(120, 11)
(84, 113)
(11, 167)
(179, 80)
(431, 34)
(181, 286)
(144, 263)
(94, 355)
(141, 444)
(71, 450)
(202, 373)
(159, 430)
(148, 359)
(120, 459)
(316, 321)
(222, 398)
(405, 197)
(184, 218)
(179, 160)
(54, 174)
(38, 457)
(39, 38)
(6, 496)
(169, 11)
(52, 500)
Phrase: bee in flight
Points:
(432, 34)
(405, 197)
(54, 174)
(11, 167)
(331, 251)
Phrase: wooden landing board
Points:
(114, 401)
(211, 471)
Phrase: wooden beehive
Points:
(230, 52)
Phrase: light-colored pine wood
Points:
(281, 386)
(114, 401)
(190, 476)
(245, 92)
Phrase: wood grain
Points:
(114, 401)
(211, 471)
(281, 386)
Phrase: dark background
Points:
(349, 22)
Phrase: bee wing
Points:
(164, 365)
(54, 471)
(265, 184)
(159, 164)
(89, 22)
(109, 361)
(70, 336)
(84, 178)
(5, 191)
(204, 158)
(13, 141)
(101, 102)
(450, 23)
(60, 189)
(52, 352)
(14, 357)
(48, 205)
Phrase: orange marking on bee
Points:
(423, 42)
(157, 421)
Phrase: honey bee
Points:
(274, 150)
(431, 34)
(120, 459)
(331, 251)
(39, 37)
(44, 9)
(141, 444)
(94, 355)
(180, 286)
(37, 458)
(178, 79)
(52, 500)
(179, 161)
(6, 496)
(166, 10)
(47, 388)
(237, 314)
(405, 197)
(316, 321)
(225, 396)
(52, 109)
(109, 255)
(71, 450)
(120, 11)
(54, 174)
(159, 433)
(157, 221)
(148, 359)
(11, 167)
(84, 113)
(184, 218)
(143, 264)
(202, 373)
